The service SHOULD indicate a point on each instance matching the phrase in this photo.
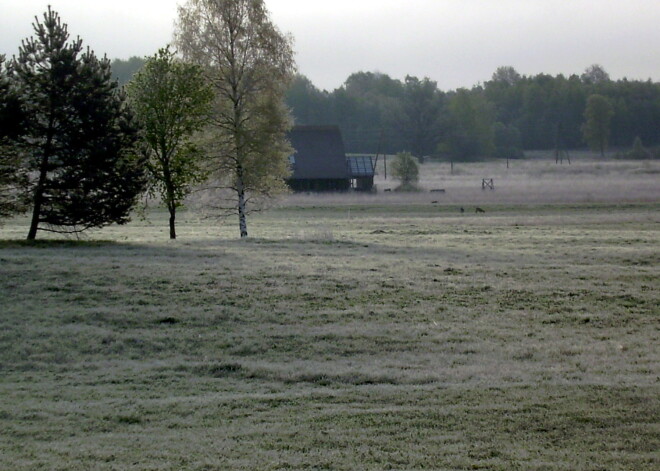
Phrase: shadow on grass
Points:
(49, 243)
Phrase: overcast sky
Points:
(458, 43)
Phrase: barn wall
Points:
(319, 184)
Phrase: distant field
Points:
(348, 333)
(533, 181)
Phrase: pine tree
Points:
(78, 134)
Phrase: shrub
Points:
(638, 151)
(405, 169)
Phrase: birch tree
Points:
(249, 64)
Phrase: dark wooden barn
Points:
(320, 163)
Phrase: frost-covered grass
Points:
(341, 336)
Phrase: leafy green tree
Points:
(171, 101)
(405, 168)
(250, 65)
(596, 128)
(506, 75)
(421, 106)
(368, 110)
(470, 132)
(308, 104)
(505, 91)
(78, 137)
(548, 111)
(507, 141)
(595, 74)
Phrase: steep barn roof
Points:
(319, 153)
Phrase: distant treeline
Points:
(503, 117)
(123, 70)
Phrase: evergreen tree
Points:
(78, 135)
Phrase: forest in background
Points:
(502, 117)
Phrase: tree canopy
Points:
(249, 64)
(78, 137)
(171, 101)
(521, 112)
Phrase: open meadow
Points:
(349, 332)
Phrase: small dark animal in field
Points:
(434, 202)
(438, 190)
(387, 189)
(479, 210)
(462, 210)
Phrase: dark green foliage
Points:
(373, 111)
(470, 131)
(12, 176)
(368, 111)
(78, 136)
(595, 74)
(309, 104)
(507, 141)
(596, 129)
(124, 70)
(11, 115)
(421, 108)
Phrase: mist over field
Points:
(434, 278)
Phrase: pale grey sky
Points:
(458, 43)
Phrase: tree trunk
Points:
(171, 202)
(172, 219)
(34, 224)
(43, 174)
(38, 199)
(242, 220)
